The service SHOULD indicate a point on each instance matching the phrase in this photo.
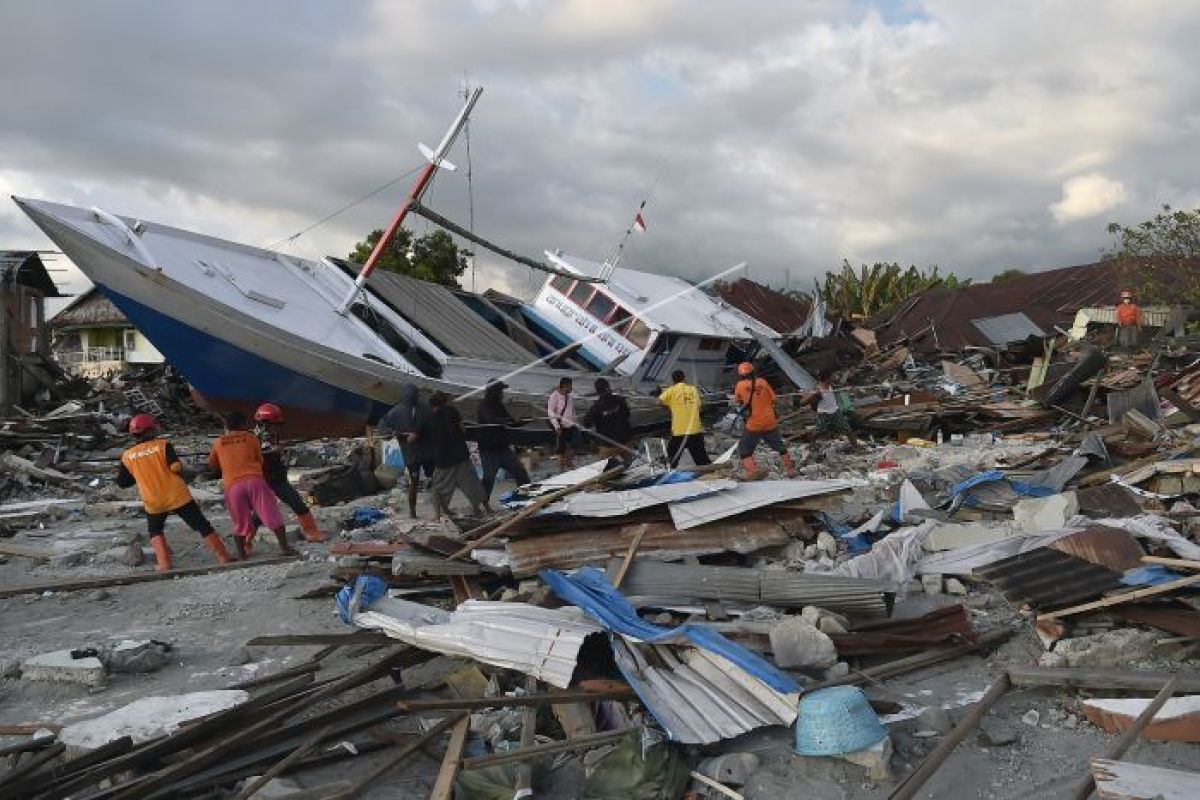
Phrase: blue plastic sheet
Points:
(1020, 487)
(372, 589)
(1151, 575)
(588, 589)
(857, 543)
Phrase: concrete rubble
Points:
(997, 564)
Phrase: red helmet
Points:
(745, 368)
(269, 412)
(142, 423)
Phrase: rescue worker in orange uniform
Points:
(270, 422)
(756, 403)
(237, 458)
(153, 465)
(1129, 321)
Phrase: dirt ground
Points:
(208, 619)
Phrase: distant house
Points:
(92, 337)
(24, 343)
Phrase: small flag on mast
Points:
(639, 224)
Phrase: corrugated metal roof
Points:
(943, 626)
(445, 319)
(90, 309)
(1152, 316)
(27, 269)
(746, 497)
(774, 309)
(620, 503)
(1046, 577)
(1007, 328)
(541, 642)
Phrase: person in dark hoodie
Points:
(495, 451)
(409, 421)
(453, 469)
(608, 418)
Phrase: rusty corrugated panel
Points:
(774, 309)
(1108, 500)
(1176, 618)
(1046, 578)
(944, 626)
(1106, 547)
(661, 541)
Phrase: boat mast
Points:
(436, 158)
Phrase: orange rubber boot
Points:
(162, 553)
(789, 466)
(240, 543)
(751, 471)
(213, 540)
(309, 529)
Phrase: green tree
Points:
(867, 290)
(433, 257)
(1157, 258)
(1007, 275)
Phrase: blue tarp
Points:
(372, 589)
(1151, 575)
(588, 589)
(857, 543)
(1021, 488)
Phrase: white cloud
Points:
(1087, 196)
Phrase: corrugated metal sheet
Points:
(647, 581)
(1007, 328)
(535, 641)
(943, 626)
(774, 309)
(698, 696)
(796, 373)
(1045, 578)
(746, 497)
(620, 503)
(1175, 618)
(441, 316)
(661, 541)
(26, 268)
(1108, 500)
(1106, 547)
(1152, 316)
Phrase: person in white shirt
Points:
(830, 417)
(560, 410)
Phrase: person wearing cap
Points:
(409, 421)
(237, 457)
(608, 419)
(1129, 321)
(155, 468)
(453, 469)
(560, 411)
(268, 420)
(687, 432)
(756, 404)
(495, 450)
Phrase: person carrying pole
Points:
(687, 432)
(153, 465)
(560, 410)
(452, 460)
(237, 458)
(269, 419)
(409, 422)
(608, 419)
(495, 451)
(756, 404)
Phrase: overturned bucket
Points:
(836, 721)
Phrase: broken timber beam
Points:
(443, 786)
(327, 639)
(550, 748)
(393, 762)
(1107, 679)
(916, 779)
(524, 700)
(147, 577)
(1118, 599)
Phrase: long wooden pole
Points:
(1130, 736)
(917, 778)
(141, 577)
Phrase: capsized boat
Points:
(245, 325)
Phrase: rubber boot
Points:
(243, 552)
(213, 540)
(309, 529)
(751, 471)
(284, 546)
(789, 466)
(162, 553)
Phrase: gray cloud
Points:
(788, 135)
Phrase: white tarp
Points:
(892, 559)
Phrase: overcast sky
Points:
(788, 134)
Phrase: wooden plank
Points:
(443, 787)
(29, 728)
(618, 692)
(282, 765)
(141, 577)
(416, 744)
(526, 753)
(1150, 591)
(10, 549)
(523, 785)
(1182, 563)
(1122, 780)
(314, 639)
(629, 555)
(1107, 679)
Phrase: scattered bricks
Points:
(1109, 649)
(1177, 721)
(1046, 513)
(798, 644)
(932, 584)
(61, 667)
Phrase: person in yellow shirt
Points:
(153, 465)
(687, 433)
(756, 402)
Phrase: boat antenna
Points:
(437, 159)
(465, 94)
(638, 223)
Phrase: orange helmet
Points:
(1126, 294)
(745, 368)
(269, 412)
(142, 423)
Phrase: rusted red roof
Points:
(1047, 298)
(774, 309)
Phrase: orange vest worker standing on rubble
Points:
(1129, 321)
(237, 457)
(756, 401)
(153, 465)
